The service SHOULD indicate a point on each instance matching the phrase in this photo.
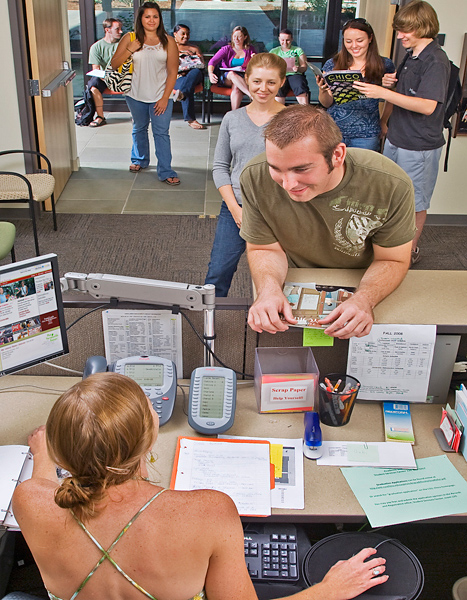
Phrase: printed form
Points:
(143, 333)
(393, 362)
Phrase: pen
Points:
(336, 387)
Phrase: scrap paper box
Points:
(286, 379)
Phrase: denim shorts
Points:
(422, 168)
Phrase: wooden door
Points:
(46, 24)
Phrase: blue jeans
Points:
(227, 250)
(143, 113)
(373, 143)
(187, 84)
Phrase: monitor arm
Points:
(150, 291)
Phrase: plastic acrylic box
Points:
(286, 379)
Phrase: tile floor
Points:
(104, 184)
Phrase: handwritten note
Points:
(239, 469)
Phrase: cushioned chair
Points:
(30, 188)
(7, 240)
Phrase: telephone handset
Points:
(157, 377)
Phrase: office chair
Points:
(7, 240)
(30, 188)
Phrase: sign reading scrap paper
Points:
(391, 496)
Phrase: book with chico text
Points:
(341, 84)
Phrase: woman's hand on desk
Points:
(36, 441)
(44, 467)
(350, 578)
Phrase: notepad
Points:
(239, 468)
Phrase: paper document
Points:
(393, 362)
(389, 497)
(96, 73)
(389, 455)
(289, 490)
(241, 469)
(143, 333)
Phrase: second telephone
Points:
(157, 377)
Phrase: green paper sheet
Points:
(391, 496)
(316, 337)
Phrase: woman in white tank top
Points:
(155, 67)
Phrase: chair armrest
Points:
(49, 165)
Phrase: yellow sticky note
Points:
(316, 337)
(276, 459)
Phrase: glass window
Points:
(118, 9)
(74, 25)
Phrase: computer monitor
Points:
(32, 323)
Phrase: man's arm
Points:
(268, 267)
(354, 317)
(424, 106)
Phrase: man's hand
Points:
(390, 80)
(265, 313)
(352, 318)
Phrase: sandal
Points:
(97, 123)
(135, 168)
(172, 181)
(195, 125)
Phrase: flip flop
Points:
(168, 182)
(134, 168)
(195, 125)
(97, 123)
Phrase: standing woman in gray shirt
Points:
(240, 139)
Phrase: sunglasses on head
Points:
(357, 20)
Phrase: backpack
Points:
(85, 109)
(453, 99)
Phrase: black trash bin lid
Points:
(405, 572)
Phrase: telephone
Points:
(211, 404)
(157, 377)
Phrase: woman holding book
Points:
(359, 121)
(106, 531)
(233, 56)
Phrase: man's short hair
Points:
(107, 23)
(297, 122)
(418, 17)
(286, 31)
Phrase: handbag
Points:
(119, 80)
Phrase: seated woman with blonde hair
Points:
(108, 532)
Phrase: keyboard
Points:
(272, 556)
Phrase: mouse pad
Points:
(405, 572)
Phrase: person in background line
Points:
(107, 531)
(359, 120)
(295, 58)
(236, 56)
(190, 73)
(100, 54)
(415, 109)
(155, 68)
(309, 202)
(240, 139)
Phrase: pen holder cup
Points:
(337, 395)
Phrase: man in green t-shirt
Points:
(295, 58)
(308, 202)
(100, 54)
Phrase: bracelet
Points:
(130, 51)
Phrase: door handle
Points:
(61, 80)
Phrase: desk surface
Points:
(424, 297)
(328, 497)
